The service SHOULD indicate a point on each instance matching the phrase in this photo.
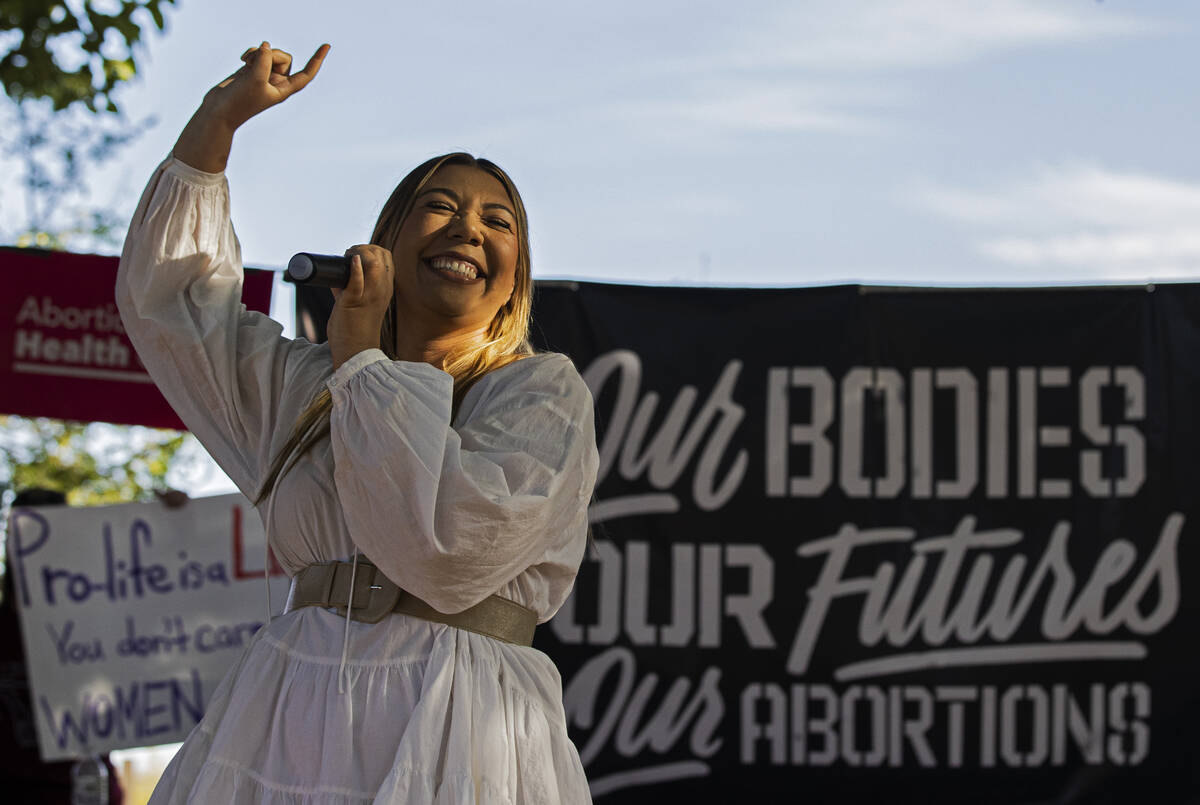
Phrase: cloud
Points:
(1078, 193)
(763, 106)
(835, 67)
(1105, 249)
(869, 35)
(1080, 216)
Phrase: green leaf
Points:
(91, 463)
(29, 66)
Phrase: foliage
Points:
(72, 52)
(55, 150)
(92, 463)
(60, 62)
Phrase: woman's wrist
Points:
(342, 352)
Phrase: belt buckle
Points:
(382, 598)
(381, 593)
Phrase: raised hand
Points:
(262, 82)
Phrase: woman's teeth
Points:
(459, 267)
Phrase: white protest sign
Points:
(131, 615)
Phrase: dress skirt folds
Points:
(431, 714)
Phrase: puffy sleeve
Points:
(452, 514)
(223, 368)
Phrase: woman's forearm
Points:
(205, 142)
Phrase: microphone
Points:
(325, 270)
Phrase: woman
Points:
(424, 449)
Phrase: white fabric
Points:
(495, 504)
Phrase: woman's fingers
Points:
(300, 80)
(356, 283)
(276, 68)
(270, 65)
(375, 272)
(260, 62)
(281, 60)
(266, 62)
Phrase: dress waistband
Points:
(375, 596)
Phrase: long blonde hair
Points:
(507, 336)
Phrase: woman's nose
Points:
(464, 227)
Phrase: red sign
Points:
(63, 350)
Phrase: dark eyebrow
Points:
(447, 192)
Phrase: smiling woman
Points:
(460, 231)
(458, 209)
(424, 477)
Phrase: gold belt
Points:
(375, 595)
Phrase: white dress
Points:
(495, 504)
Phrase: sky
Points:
(976, 142)
(749, 143)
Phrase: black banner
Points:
(852, 544)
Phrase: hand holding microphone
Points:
(363, 287)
